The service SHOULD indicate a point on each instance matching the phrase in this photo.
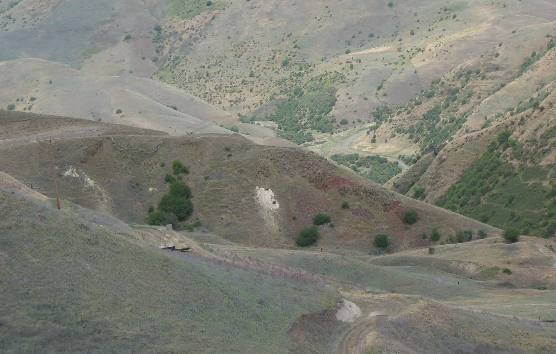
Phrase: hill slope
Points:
(245, 192)
(116, 292)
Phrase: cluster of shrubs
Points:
(176, 205)
(310, 235)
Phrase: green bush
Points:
(382, 242)
(180, 189)
(419, 193)
(161, 218)
(178, 205)
(410, 217)
(169, 178)
(321, 219)
(511, 235)
(308, 236)
(435, 235)
(482, 234)
(179, 168)
(464, 236)
(345, 205)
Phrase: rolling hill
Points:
(247, 193)
(119, 291)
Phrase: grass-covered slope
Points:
(72, 285)
(247, 193)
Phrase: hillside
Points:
(120, 292)
(257, 195)
(350, 56)
(264, 176)
(477, 156)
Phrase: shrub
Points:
(464, 236)
(180, 189)
(308, 236)
(511, 235)
(435, 235)
(419, 193)
(482, 234)
(382, 242)
(169, 178)
(321, 219)
(507, 271)
(345, 205)
(179, 168)
(11, 107)
(161, 218)
(177, 205)
(410, 217)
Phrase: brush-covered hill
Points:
(486, 144)
(268, 60)
(256, 195)
(305, 70)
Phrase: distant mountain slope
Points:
(247, 193)
(49, 88)
(380, 52)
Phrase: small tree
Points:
(308, 236)
(321, 219)
(419, 193)
(511, 235)
(435, 235)
(382, 242)
(410, 217)
(179, 168)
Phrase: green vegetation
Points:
(375, 168)
(175, 206)
(321, 219)
(178, 201)
(535, 56)
(11, 107)
(382, 242)
(419, 193)
(410, 217)
(308, 236)
(307, 109)
(186, 9)
(382, 114)
(345, 205)
(444, 119)
(511, 235)
(179, 168)
(505, 195)
(435, 235)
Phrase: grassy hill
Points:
(72, 284)
(257, 195)
(117, 292)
